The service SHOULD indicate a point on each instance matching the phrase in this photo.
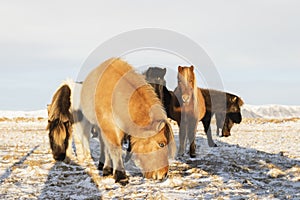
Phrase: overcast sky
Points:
(255, 45)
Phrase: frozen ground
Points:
(261, 160)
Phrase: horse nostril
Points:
(185, 98)
(60, 157)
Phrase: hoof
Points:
(212, 145)
(100, 166)
(107, 171)
(120, 177)
(193, 151)
(193, 155)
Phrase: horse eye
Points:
(162, 144)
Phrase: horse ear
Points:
(161, 125)
(240, 102)
(192, 67)
(234, 99)
(164, 71)
(147, 72)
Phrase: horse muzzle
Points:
(185, 98)
(236, 117)
(160, 174)
(59, 157)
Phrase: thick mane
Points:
(195, 93)
(144, 105)
(61, 104)
(60, 119)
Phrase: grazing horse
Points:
(121, 102)
(192, 108)
(60, 120)
(64, 118)
(226, 113)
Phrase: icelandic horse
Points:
(65, 119)
(120, 102)
(190, 109)
(226, 113)
(60, 120)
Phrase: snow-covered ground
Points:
(260, 160)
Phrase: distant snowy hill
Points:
(270, 111)
(23, 114)
(248, 111)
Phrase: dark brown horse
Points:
(155, 77)
(225, 106)
(121, 102)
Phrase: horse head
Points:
(186, 83)
(234, 104)
(155, 76)
(151, 153)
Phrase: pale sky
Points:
(255, 45)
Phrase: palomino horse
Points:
(64, 118)
(226, 113)
(192, 108)
(120, 101)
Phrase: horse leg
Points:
(113, 149)
(102, 150)
(206, 123)
(220, 120)
(86, 138)
(182, 138)
(69, 151)
(107, 167)
(128, 150)
(192, 129)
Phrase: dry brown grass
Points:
(22, 119)
(263, 121)
(3, 119)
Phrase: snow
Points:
(24, 114)
(270, 111)
(260, 160)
